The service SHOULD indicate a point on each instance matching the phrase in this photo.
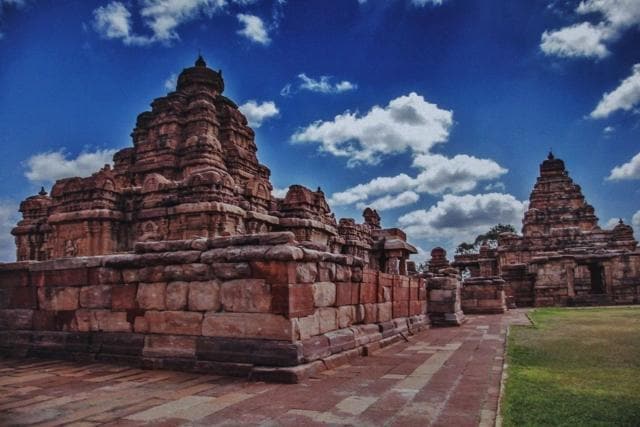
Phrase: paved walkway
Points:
(445, 376)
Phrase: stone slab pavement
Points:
(440, 377)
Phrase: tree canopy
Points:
(490, 238)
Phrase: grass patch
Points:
(574, 367)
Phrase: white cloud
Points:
(588, 40)
(279, 192)
(458, 174)
(323, 84)
(9, 217)
(258, 113)
(608, 130)
(53, 165)
(422, 3)
(625, 97)
(406, 123)
(629, 170)
(170, 83)
(635, 222)
(463, 217)
(612, 222)
(579, 40)
(495, 186)
(391, 201)
(160, 18)
(254, 29)
(439, 174)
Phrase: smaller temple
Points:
(562, 257)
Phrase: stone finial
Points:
(200, 62)
(42, 192)
(550, 156)
(621, 221)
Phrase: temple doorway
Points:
(597, 281)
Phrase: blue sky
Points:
(437, 112)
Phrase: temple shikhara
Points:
(563, 257)
(178, 256)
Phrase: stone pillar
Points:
(444, 298)
(571, 290)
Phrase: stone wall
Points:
(484, 295)
(258, 305)
(444, 297)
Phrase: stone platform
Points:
(444, 376)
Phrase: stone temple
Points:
(179, 257)
(563, 257)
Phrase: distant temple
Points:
(192, 172)
(563, 256)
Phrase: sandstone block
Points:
(347, 293)
(19, 297)
(306, 272)
(248, 325)
(326, 271)
(315, 348)
(368, 293)
(130, 275)
(140, 325)
(346, 316)
(176, 295)
(16, 319)
(98, 296)
(246, 296)
(169, 346)
(230, 270)
(58, 298)
(328, 317)
(299, 299)
(204, 296)
(385, 311)
(400, 309)
(14, 278)
(151, 274)
(151, 296)
(124, 297)
(356, 274)
(174, 322)
(343, 273)
(102, 320)
(370, 313)
(308, 326)
(324, 294)
(274, 272)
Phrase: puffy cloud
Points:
(162, 18)
(588, 40)
(170, 83)
(254, 29)
(9, 217)
(279, 192)
(579, 40)
(258, 113)
(53, 165)
(635, 222)
(625, 97)
(375, 187)
(463, 217)
(495, 186)
(458, 174)
(608, 130)
(391, 201)
(612, 222)
(408, 122)
(629, 170)
(439, 174)
(422, 3)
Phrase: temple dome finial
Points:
(42, 192)
(200, 62)
(550, 156)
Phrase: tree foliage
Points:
(490, 238)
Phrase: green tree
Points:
(490, 238)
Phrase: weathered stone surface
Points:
(346, 316)
(16, 319)
(151, 296)
(124, 297)
(176, 295)
(247, 325)
(246, 296)
(204, 296)
(328, 317)
(306, 272)
(58, 298)
(169, 346)
(324, 294)
(102, 320)
(174, 322)
(308, 326)
(230, 271)
(97, 296)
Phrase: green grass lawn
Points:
(578, 367)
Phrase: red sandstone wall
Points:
(223, 304)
